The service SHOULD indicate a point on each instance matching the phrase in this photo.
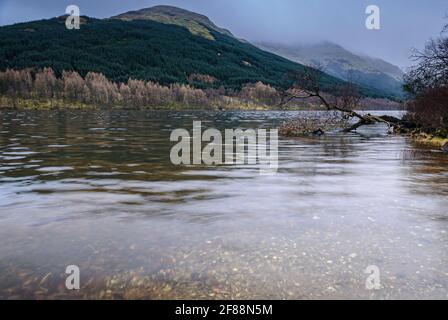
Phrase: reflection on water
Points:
(97, 190)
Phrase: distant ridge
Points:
(339, 62)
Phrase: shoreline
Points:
(33, 104)
(8, 103)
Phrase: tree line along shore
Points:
(43, 89)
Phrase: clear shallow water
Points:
(96, 189)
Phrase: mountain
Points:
(339, 62)
(161, 44)
(196, 23)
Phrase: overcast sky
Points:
(404, 23)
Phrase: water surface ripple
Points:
(97, 189)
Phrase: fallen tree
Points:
(345, 99)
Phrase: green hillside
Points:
(143, 49)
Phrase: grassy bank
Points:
(45, 104)
(39, 104)
(434, 140)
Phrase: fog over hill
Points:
(341, 63)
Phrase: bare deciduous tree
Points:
(427, 82)
(73, 85)
(260, 93)
(431, 70)
(45, 83)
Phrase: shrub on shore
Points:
(429, 111)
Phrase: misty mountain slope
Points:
(385, 67)
(339, 62)
(142, 48)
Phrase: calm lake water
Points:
(97, 190)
